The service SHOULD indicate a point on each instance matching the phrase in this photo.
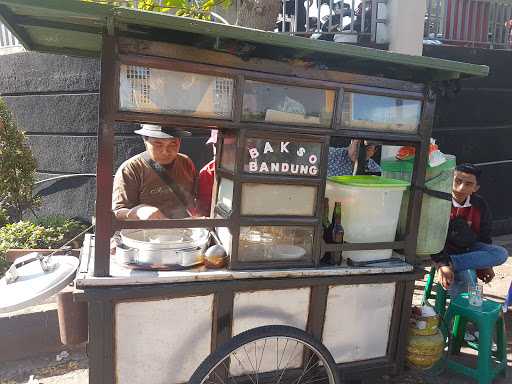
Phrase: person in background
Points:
(206, 179)
(140, 193)
(341, 160)
(469, 252)
(508, 26)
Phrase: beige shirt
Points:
(136, 183)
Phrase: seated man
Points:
(139, 192)
(459, 265)
(341, 161)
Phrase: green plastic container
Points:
(435, 212)
(369, 181)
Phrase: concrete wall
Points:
(55, 100)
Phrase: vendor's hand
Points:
(446, 276)
(146, 212)
(486, 275)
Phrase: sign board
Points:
(280, 157)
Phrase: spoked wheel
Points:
(274, 354)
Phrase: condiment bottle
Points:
(325, 221)
(327, 228)
(337, 229)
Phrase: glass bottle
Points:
(326, 224)
(337, 231)
(327, 229)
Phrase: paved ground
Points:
(73, 370)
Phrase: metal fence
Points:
(474, 23)
(350, 21)
(7, 39)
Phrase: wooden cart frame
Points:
(144, 39)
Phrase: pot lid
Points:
(33, 284)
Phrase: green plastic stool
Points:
(441, 293)
(487, 319)
(427, 291)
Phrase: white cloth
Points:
(466, 204)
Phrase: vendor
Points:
(341, 161)
(139, 192)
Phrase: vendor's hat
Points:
(159, 132)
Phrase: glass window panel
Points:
(282, 157)
(144, 89)
(275, 243)
(277, 103)
(228, 155)
(381, 113)
(225, 195)
(278, 199)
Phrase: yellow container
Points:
(425, 326)
(424, 351)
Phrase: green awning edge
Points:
(439, 69)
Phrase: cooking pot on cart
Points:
(162, 248)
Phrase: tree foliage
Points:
(17, 167)
(197, 9)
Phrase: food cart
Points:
(156, 326)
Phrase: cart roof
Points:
(74, 27)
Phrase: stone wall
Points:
(55, 100)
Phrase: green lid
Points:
(369, 181)
(407, 165)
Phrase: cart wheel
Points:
(269, 354)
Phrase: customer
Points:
(341, 161)
(468, 251)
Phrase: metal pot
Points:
(163, 248)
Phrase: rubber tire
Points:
(260, 333)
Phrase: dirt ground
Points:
(73, 369)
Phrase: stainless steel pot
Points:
(163, 248)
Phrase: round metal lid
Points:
(34, 285)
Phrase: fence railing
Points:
(349, 21)
(7, 39)
(474, 23)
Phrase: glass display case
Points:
(380, 113)
(278, 199)
(145, 89)
(275, 243)
(287, 104)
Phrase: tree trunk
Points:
(259, 14)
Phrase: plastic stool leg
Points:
(484, 369)
(427, 292)
(501, 341)
(440, 304)
(459, 330)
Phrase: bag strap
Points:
(187, 205)
(437, 194)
